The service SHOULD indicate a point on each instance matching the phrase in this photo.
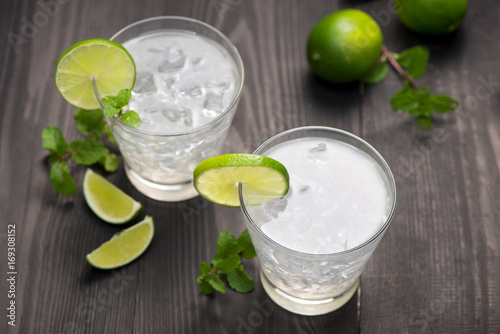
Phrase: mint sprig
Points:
(417, 101)
(114, 108)
(228, 262)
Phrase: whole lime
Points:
(344, 45)
(432, 17)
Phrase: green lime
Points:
(217, 178)
(432, 17)
(107, 201)
(344, 45)
(124, 247)
(106, 61)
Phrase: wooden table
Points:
(437, 270)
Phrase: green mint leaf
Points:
(227, 245)
(54, 142)
(109, 134)
(217, 283)
(414, 60)
(110, 107)
(90, 122)
(424, 122)
(205, 269)
(406, 99)
(216, 259)
(131, 118)
(61, 180)
(442, 104)
(123, 97)
(205, 287)
(109, 162)
(245, 245)
(228, 264)
(88, 152)
(239, 281)
(376, 74)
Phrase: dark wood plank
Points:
(436, 271)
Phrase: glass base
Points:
(161, 192)
(304, 306)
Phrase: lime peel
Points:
(124, 247)
(217, 178)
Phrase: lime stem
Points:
(398, 68)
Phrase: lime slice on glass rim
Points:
(106, 61)
(107, 201)
(263, 178)
(124, 247)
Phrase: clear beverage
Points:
(188, 83)
(314, 243)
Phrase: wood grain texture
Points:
(436, 270)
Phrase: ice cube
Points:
(196, 61)
(156, 51)
(144, 83)
(172, 115)
(218, 88)
(194, 91)
(212, 106)
(173, 62)
(318, 148)
(187, 116)
(169, 83)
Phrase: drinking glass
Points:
(160, 162)
(312, 283)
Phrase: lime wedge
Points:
(106, 61)
(107, 201)
(217, 178)
(124, 247)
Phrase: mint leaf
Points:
(88, 152)
(123, 97)
(114, 104)
(61, 180)
(110, 107)
(227, 245)
(424, 122)
(239, 281)
(131, 118)
(54, 142)
(228, 264)
(217, 283)
(245, 245)
(205, 287)
(442, 103)
(90, 122)
(415, 60)
(376, 74)
(405, 99)
(204, 269)
(109, 162)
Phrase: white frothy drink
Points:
(183, 80)
(337, 198)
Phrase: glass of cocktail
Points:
(188, 83)
(314, 243)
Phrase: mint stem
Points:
(66, 156)
(398, 68)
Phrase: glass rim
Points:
(238, 63)
(383, 164)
